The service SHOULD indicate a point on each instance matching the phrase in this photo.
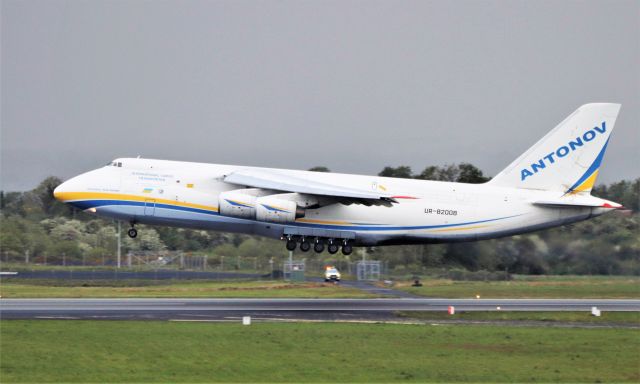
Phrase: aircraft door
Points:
(149, 207)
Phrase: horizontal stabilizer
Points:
(587, 201)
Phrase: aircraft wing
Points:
(265, 179)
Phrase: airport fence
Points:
(178, 265)
(184, 265)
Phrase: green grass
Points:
(14, 288)
(11, 266)
(21, 267)
(577, 287)
(521, 287)
(121, 351)
(627, 318)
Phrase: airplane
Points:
(548, 185)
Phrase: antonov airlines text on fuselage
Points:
(549, 185)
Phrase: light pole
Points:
(271, 266)
(119, 244)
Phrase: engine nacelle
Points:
(277, 210)
(237, 204)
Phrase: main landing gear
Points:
(305, 246)
(333, 245)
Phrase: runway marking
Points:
(453, 322)
(57, 317)
(201, 321)
(294, 320)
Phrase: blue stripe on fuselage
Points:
(398, 228)
(86, 204)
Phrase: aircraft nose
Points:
(58, 192)
(63, 191)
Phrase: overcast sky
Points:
(352, 85)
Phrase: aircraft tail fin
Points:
(566, 159)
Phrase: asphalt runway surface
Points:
(316, 309)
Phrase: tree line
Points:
(36, 226)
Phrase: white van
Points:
(331, 273)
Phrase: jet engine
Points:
(277, 210)
(237, 204)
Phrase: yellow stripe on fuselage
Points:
(459, 229)
(74, 196)
(330, 222)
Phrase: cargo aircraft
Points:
(547, 186)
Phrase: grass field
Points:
(120, 351)
(626, 318)
(14, 288)
(592, 287)
(604, 287)
(22, 267)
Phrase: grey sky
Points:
(353, 85)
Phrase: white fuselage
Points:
(182, 194)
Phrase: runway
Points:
(163, 309)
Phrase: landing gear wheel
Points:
(333, 248)
(291, 245)
(132, 232)
(305, 246)
(318, 247)
(347, 249)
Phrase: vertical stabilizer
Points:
(568, 158)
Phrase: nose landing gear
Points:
(132, 232)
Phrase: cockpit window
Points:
(114, 164)
(119, 164)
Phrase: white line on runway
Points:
(56, 317)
